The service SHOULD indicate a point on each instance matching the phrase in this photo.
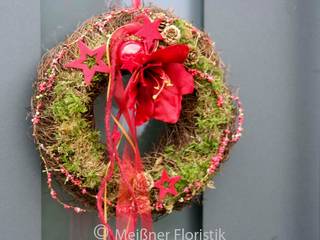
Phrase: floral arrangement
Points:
(176, 77)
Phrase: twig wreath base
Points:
(193, 148)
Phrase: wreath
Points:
(174, 76)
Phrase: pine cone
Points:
(171, 34)
(193, 57)
(165, 21)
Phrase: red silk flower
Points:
(159, 80)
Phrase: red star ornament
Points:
(86, 52)
(150, 32)
(166, 185)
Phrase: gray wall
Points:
(20, 202)
(270, 187)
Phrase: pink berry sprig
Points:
(236, 137)
(217, 159)
(47, 84)
(202, 75)
(54, 196)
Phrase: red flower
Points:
(158, 83)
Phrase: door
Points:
(20, 195)
(270, 187)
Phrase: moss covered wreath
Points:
(177, 77)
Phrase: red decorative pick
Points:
(80, 63)
(170, 182)
(150, 32)
(128, 54)
(136, 3)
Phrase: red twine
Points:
(136, 3)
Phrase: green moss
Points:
(67, 107)
(192, 172)
(98, 77)
(186, 32)
(205, 65)
(49, 71)
(77, 143)
(80, 150)
(193, 159)
(90, 62)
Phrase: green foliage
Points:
(77, 144)
(205, 65)
(66, 152)
(191, 172)
(186, 32)
(67, 107)
(98, 77)
(193, 159)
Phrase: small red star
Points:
(86, 52)
(150, 32)
(166, 185)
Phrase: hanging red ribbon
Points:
(155, 90)
(133, 199)
(136, 3)
(162, 70)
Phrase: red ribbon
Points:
(133, 197)
(136, 3)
